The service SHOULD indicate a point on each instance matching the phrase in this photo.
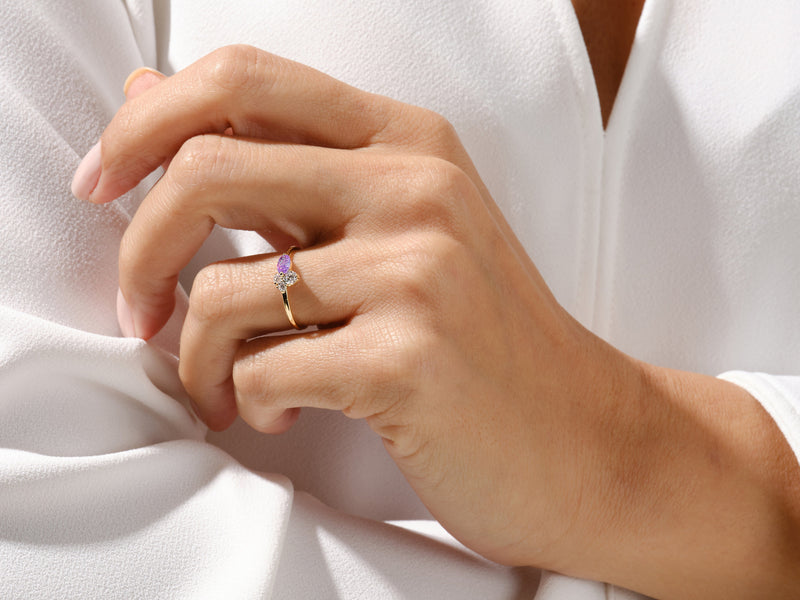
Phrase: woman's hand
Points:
(529, 438)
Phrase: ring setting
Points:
(284, 279)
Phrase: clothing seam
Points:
(615, 150)
(585, 287)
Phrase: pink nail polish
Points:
(125, 317)
(87, 174)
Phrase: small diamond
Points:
(284, 280)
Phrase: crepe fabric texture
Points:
(673, 234)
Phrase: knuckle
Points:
(119, 154)
(394, 372)
(250, 380)
(416, 127)
(233, 68)
(446, 180)
(197, 163)
(411, 284)
(416, 272)
(438, 128)
(438, 192)
(422, 278)
(151, 292)
(382, 370)
(213, 295)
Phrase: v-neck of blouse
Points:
(608, 37)
(604, 150)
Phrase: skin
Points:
(608, 30)
(495, 402)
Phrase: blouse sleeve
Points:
(780, 397)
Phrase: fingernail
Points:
(125, 316)
(136, 74)
(87, 174)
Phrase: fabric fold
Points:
(780, 397)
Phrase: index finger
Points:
(252, 92)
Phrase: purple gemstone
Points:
(284, 263)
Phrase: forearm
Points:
(706, 490)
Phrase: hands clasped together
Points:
(510, 420)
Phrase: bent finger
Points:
(292, 195)
(252, 92)
(236, 300)
(362, 369)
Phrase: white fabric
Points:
(673, 235)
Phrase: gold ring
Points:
(285, 278)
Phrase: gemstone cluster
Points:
(285, 276)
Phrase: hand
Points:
(529, 438)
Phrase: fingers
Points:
(365, 370)
(288, 193)
(88, 173)
(234, 301)
(298, 195)
(250, 91)
(379, 334)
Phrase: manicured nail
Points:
(125, 316)
(87, 174)
(141, 71)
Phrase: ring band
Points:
(285, 278)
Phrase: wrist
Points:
(700, 485)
